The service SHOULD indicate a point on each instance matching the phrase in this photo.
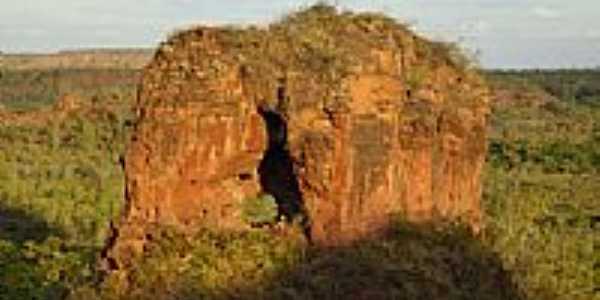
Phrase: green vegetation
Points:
(409, 263)
(27, 90)
(542, 185)
(61, 186)
(579, 86)
(260, 210)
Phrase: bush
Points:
(260, 210)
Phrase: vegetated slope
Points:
(22, 90)
(61, 184)
(78, 59)
(409, 263)
(580, 86)
(543, 180)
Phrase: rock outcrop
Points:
(347, 119)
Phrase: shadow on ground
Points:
(19, 226)
(409, 263)
(32, 262)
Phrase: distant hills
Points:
(118, 58)
(108, 58)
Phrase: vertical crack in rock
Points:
(276, 170)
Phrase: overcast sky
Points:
(506, 33)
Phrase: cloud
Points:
(545, 12)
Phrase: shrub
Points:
(260, 210)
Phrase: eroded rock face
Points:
(371, 121)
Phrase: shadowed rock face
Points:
(365, 120)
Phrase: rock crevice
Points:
(276, 169)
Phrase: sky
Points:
(500, 33)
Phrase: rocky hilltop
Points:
(346, 119)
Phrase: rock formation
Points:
(346, 119)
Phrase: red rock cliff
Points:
(346, 118)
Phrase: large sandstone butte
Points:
(347, 119)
